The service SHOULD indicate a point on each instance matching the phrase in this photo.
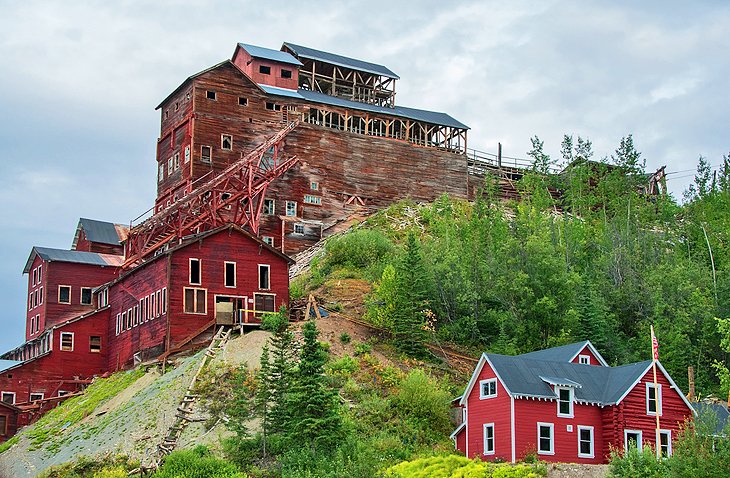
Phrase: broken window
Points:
(272, 106)
(205, 154)
(230, 274)
(187, 153)
(285, 73)
(299, 229)
(268, 240)
(67, 341)
(264, 272)
(226, 141)
(64, 294)
(195, 271)
(9, 397)
(163, 301)
(86, 295)
(210, 95)
(176, 161)
(264, 70)
(95, 343)
(268, 207)
(309, 199)
(242, 101)
(33, 397)
(169, 165)
(161, 173)
(263, 302)
(291, 208)
(194, 300)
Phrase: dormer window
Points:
(488, 388)
(264, 70)
(565, 401)
(584, 359)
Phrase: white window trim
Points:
(62, 393)
(225, 275)
(60, 341)
(314, 185)
(659, 399)
(484, 439)
(40, 295)
(584, 359)
(195, 301)
(210, 158)
(570, 401)
(669, 441)
(294, 231)
(267, 266)
(95, 351)
(230, 137)
(163, 301)
(263, 293)
(42, 394)
(482, 396)
(119, 323)
(592, 454)
(190, 271)
(81, 296)
(9, 393)
(268, 240)
(552, 438)
(286, 209)
(639, 443)
(59, 294)
(273, 207)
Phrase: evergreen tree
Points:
(541, 162)
(413, 286)
(239, 408)
(263, 396)
(314, 417)
(279, 380)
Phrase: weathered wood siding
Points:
(37, 305)
(83, 244)
(251, 67)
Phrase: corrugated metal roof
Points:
(275, 90)
(564, 353)
(78, 257)
(269, 54)
(100, 231)
(339, 60)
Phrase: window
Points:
(119, 324)
(40, 269)
(161, 173)
(30, 301)
(264, 70)
(489, 438)
(242, 101)
(264, 280)
(8, 397)
(291, 208)
(205, 154)
(268, 207)
(299, 229)
(285, 73)
(585, 442)
(268, 240)
(229, 271)
(163, 301)
(651, 399)
(40, 296)
(263, 302)
(34, 276)
(187, 153)
(36, 396)
(95, 344)
(177, 106)
(135, 318)
(210, 95)
(565, 402)
(103, 298)
(226, 142)
(67, 341)
(63, 393)
(584, 359)
(194, 300)
(665, 442)
(176, 161)
(37, 323)
(314, 186)
(64, 294)
(545, 439)
(152, 305)
(632, 440)
(195, 271)
(313, 200)
(86, 295)
(3, 425)
(167, 114)
(488, 388)
(158, 303)
(129, 318)
(272, 106)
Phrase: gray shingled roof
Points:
(100, 231)
(269, 54)
(78, 257)
(564, 353)
(339, 60)
(525, 376)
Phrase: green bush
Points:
(197, 463)
(99, 466)
(456, 466)
(345, 338)
(362, 348)
(634, 463)
(360, 249)
(423, 402)
(343, 367)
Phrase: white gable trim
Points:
(669, 379)
(456, 432)
(593, 350)
(474, 376)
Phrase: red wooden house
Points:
(567, 405)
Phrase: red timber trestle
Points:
(233, 196)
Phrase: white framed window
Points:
(195, 271)
(632, 440)
(158, 303)
(264, 276)
(135, 318)
(226, 142)
(152, 305)
(565, 401)
(585, 442)
(488, 439)
(316, 200)
(299, 229)
(36, 396)
(314, 186)
(229, 274)
(161, 173)
(95, 344)
(187, 153)
(176, 161)
(291, 208)
(545, 439)
(67, 341)
(129, 318)
(664, 439)
(210, 95)
(206, 155)
(194, 300)
(119, 324)
(268, 240)
(40, 273)
(163, 301)
(8, 397)
(64, 294)
(63, 393)
(652, 403)
(40, 296)
(487, 388)
(268, 207)
(169, 165)
(34, 277)
(86, 296)
(31, 298)
(584, 359)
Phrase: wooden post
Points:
(499, 155)
(691, 377)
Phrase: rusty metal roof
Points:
(269, 54)
(78, 257)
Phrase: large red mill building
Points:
(258, 156)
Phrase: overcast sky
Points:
(80, 81)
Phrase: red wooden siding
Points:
(250, 66)
(37, 305)
(491, 410)
(460, 440)
(11, 421)
(587, 351)
(83, 244)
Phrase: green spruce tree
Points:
(263, 397)
(279, 380)
(409, 315)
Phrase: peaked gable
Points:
(567, 353)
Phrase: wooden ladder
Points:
(185, 409)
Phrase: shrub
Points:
(362, 348)
(421, 400)
(358, 250)
(343, 367)
(197, 463)
(345, 338)
(99, 466)
(635, 463)
(455, 466)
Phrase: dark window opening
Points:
(264, 70)
(195, 301)
(242, 101)
(67, 341)
(286, 73)
(195, 271)
(64, 294)
(205, 154)
(272, 106)
(95, 343)
(8, 397)
(210, 95)
(264, 282)
(86, 295)
(227, 141)
(230, 279)
(264, 303)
